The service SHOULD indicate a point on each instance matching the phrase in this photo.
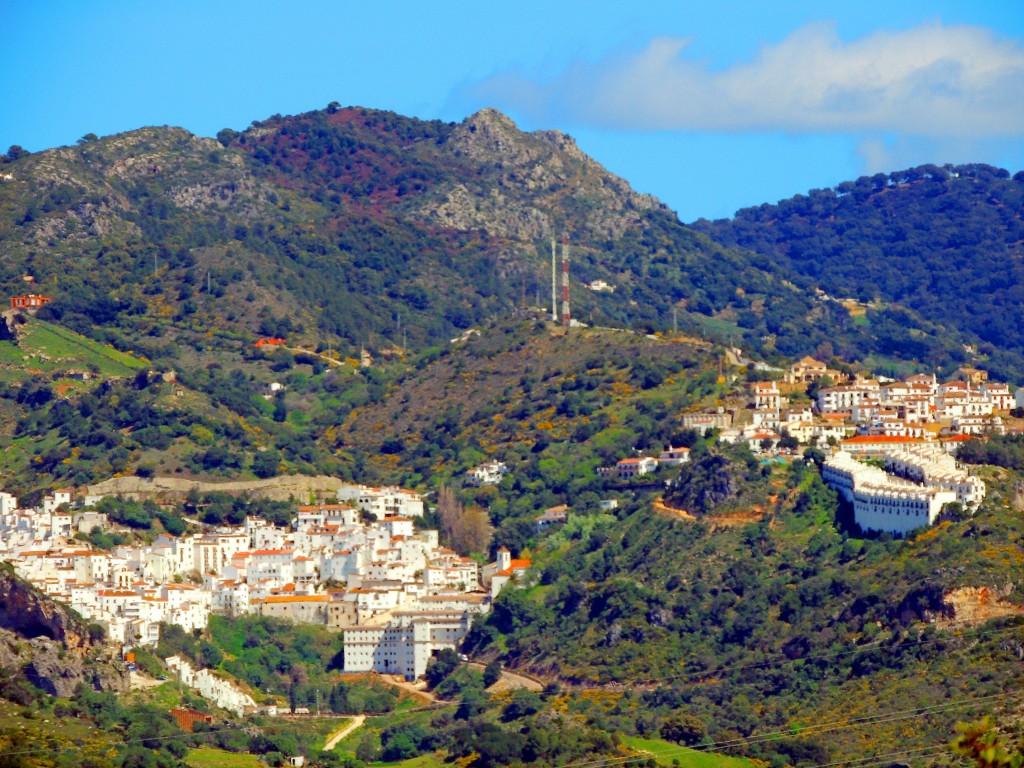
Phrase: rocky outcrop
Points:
(29, 613)
(47, 665)
(524, 182)
(13, 319)
(49, 644)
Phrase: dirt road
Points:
(510, 680)
(417, 690)
(139, 681)
(346, 729)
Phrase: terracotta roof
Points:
(861, 439)
(293, 599)
(516, 565)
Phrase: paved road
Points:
(346, 729)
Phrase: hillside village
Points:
(914, 426)
(358, 566)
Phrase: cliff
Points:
(50, 644)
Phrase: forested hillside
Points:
(760, 614)
(347, 228)
(947, 243)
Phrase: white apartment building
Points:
(882, 502)
(844, 397)
(406, 644)
(934, 468)
(382, 502)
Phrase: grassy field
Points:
(45, 348)
(667, 753)
(218, 758)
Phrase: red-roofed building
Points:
(30, 302)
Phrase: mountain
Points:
(353, 227)
(945, 243)
(737, 611)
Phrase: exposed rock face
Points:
(50, 644)
(48, 666)
(13, 319)
(29, 613)
(524, 179)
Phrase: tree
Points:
(266, 464)
(89, 137)
(467, 529)
(440, 666)
(210, 655)
(367, 749)
(280, 409)
(788, 442)
(979, 741)
(683, 729)
(492, 673)
(15, 152)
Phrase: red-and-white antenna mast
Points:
(565, 282)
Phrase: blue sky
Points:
(709, 106)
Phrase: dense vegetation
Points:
(324, 228)
(784, 617)
(941, 242)
(743, 615)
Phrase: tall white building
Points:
(883, 502)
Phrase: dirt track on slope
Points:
(744, 517)
(345, 730)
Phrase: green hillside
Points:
(351, 228)
(767, 618)
(944, 243)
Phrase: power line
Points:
(838, 725)
(701, 677)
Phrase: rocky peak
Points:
(491, 135)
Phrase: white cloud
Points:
(933, 80)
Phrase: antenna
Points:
(554, 283)
(565, 281)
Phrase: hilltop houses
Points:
(491, 473)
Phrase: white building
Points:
(673, 457)
(382, 502)
(636, 466)
(882, 502)
(491, 473)
(405, 645)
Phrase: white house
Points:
(636, 466)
